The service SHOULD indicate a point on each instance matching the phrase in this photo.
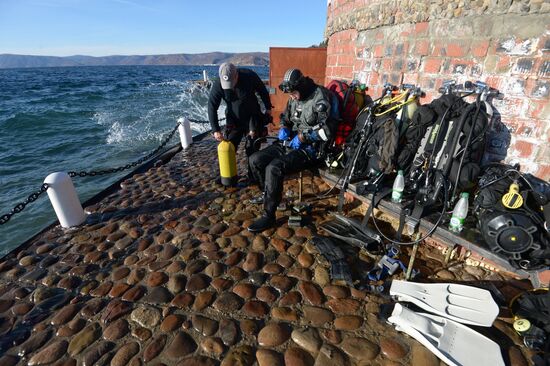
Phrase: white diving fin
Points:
(461, 303)
(452, 342)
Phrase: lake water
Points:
(85, 118)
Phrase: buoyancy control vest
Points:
(436, 140)
(510, 208)
(390, 121)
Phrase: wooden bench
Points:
(469, 239)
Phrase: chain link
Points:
(93, 173)
(32, 197)
(21, 206)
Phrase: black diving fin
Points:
(352, 232)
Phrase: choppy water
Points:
(84, 118)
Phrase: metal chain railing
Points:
(93, 173)
(20, 206)
(32, 197)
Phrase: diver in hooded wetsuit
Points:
(238, 88)
(305, 126)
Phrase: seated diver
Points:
(305, 126)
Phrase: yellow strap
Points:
(397, 106)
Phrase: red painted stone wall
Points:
(426, 43)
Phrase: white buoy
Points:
(204, 75)
(184, 129)
(64, 199)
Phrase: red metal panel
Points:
(311, 61)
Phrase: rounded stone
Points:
(239, 356)
(120, 273)
(259, 243)
(305, 259)
(285, 260)
(331, 335)
(252, 262)
(303, 274)
(360, 349)
(118, 289)
(171, 323)
(284, 314)
(182, 345)
(203, 299)
(204, 325)
(393, 349)
(266, 357)
(158, 296)
(308, 339)
(36, 340)
(244, 290)
(176, 283)
(65, 314)
(124, 354)
(49, 354)
(227, 302)
(310, 292)
(336, 292)
(290, 298)
(282, 283)
(255, 308)
(331, 356)
(421, 356)
(212, 345)
(197, 282)
(321, 276)
(214, 269)
(266, 294)
(156, 279)
(317, 316)
(71, 328)
(228, 332)
(273, 335)
(343, 306)
(141, 333)
(348, 322)
(272, 268)
(134, 294)
(154, 348)
(183, 300)
(297, 357)
(116, 330)
(146, 316)
(249, 327)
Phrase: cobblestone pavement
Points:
(165, 272)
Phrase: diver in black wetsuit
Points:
(306, 128)
(238, 88)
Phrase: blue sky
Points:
(123, 27)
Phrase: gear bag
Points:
(509, 207)
(379, 153)
(429, 139)
(351, 99)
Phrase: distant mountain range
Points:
(249, 58)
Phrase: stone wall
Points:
(504, 43)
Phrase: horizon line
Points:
(120, 55)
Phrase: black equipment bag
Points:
(377, 154)
(518, 234)
(433, 142)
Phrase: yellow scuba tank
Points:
(228, 163)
